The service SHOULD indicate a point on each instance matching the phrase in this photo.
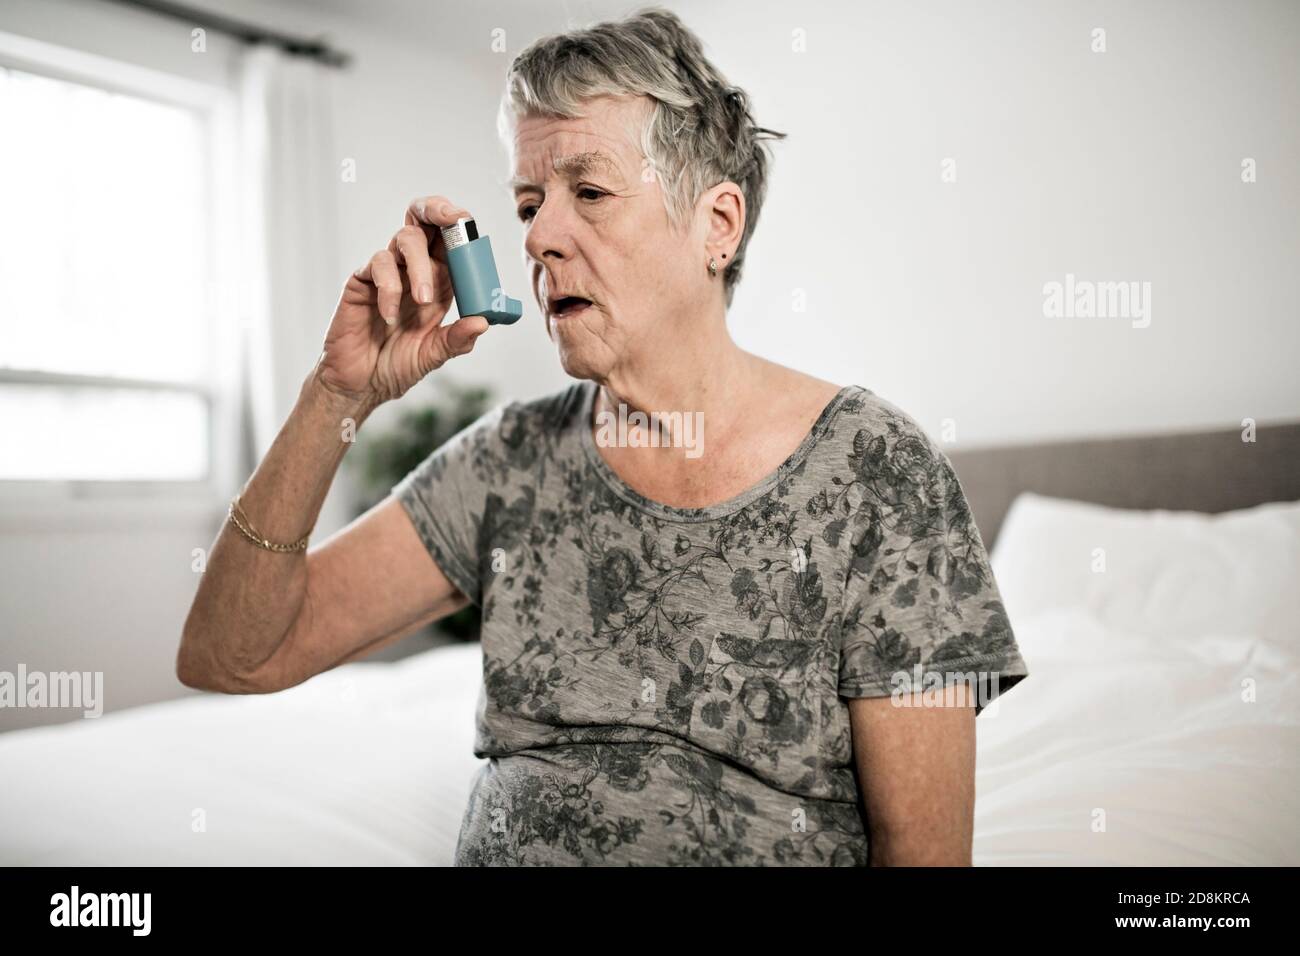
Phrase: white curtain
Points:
(291, 264)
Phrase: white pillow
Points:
(1169, 575)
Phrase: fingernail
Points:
(425, 294)
(419, 209)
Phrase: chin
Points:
(582, 355)
(578, 363)
(586, 358)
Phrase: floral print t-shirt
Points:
(669, 685)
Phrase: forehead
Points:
(602, 142)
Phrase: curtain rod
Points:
(248, 32)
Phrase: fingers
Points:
(382, 272)
(411, 247)
(434, 212)
(407, 263)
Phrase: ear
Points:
(724, 208)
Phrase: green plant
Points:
(384, 457)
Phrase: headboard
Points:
(1182, 471)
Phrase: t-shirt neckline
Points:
(722, 508)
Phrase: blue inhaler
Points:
(474, 276)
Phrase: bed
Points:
(1151, 582)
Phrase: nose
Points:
(549, 238)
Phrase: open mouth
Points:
(569, 305)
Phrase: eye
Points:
(586, 193)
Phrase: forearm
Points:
(249, 598)
(916, 771)
(903, 848)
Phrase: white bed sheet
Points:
(1157, 736)
(366, 764)
(371, 764)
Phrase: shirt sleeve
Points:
(921, 607)
(446, 496)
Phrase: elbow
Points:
(201, 672)
(189, 669)
(186, 672)
(195, 673)
(192, 670)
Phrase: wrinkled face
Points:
(595, 227)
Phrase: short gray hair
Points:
(700, 131)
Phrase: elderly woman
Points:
(769, 647)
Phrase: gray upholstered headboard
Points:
(1192, 471)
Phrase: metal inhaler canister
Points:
(474, 276)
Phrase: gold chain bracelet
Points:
(240, 521)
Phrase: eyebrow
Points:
(573, 165)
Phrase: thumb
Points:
(459, 337)
(464, 332)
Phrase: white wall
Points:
(1123, 165)
(1116, 166)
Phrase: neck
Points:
(701, 370)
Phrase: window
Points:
(109, 358)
